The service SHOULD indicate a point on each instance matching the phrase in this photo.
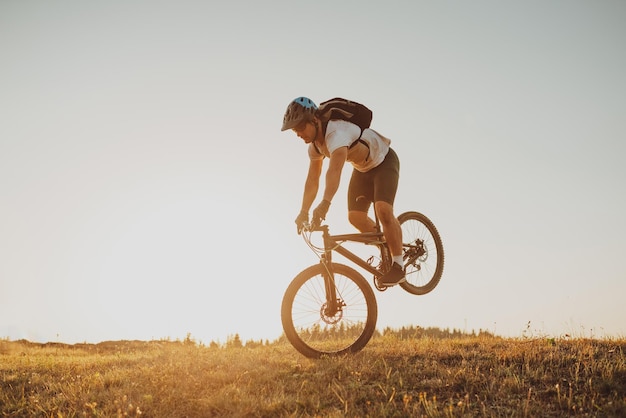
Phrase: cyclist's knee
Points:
(360, 220)
(384, 211)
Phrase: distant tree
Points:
(254, 344)
(234, 342)
(189, 340)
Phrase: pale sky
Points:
(147, 192)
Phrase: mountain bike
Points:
(330, 309)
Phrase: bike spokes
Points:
(423, 253)
(314, 326)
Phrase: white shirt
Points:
(364, 155)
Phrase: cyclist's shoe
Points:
(394, 276)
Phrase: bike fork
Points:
(333, 304)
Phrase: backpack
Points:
(347, 110)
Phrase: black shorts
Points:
(380, 183)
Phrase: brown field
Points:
(400, 373)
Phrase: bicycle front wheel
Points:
(422, 252)
(314, 327)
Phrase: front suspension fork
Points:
(333, 304)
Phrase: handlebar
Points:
(313, 227)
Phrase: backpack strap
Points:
(364, 143)
(325, 125)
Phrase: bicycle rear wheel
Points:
(312, 328)
(422, 252)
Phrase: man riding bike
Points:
(374, 178)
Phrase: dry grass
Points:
(392, 376)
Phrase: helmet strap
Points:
(316, 122)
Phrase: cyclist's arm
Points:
(311, 185)
(333, 175)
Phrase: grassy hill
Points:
(407, 373)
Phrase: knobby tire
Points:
(423, 270)
(315, 334)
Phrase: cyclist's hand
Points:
(319, 213)
(301, 220)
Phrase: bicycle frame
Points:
(330, 307)
(334, 243)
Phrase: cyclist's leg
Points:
(385, 183)
(385, 186)
(359, 201)
(391, 227)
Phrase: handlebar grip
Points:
(313, 226)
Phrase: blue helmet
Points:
(299, 110)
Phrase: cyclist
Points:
(374, 177)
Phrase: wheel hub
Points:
(332, 316)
